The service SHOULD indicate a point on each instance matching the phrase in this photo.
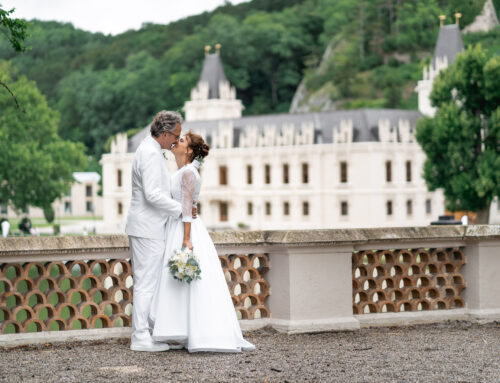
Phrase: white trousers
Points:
(147, 260)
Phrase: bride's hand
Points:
(187, 243)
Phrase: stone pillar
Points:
(311, 289)
(481, 273)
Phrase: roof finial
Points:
(217, 48)
(458, 15)
(207, 50)
(442, 18)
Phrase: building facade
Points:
(82, 200)
(327, 170)
(336, 169)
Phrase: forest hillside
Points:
(351, 53)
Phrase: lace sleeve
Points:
(188, 183)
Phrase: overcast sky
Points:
(110, 16)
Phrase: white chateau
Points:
(337, 169)
(82, 201)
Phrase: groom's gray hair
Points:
(165, 121)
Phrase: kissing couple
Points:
(168, 313)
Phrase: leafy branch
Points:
(14, 29)
(16, 32)
(12, 94)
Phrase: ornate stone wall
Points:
(321, 280)
(246, 280)
(407, 280)
(44, 296)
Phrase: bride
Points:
(199, 316)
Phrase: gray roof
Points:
(213, 74)
(449, 43)
(365, 122)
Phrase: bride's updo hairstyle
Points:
(198, 145)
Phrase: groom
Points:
(150, 207)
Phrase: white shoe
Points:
(149, 347)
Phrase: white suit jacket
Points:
(151, 203)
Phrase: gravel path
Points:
(452, 352)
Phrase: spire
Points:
(449, 44)
(213, 72)
(213, 98)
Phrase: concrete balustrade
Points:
(311, 273)
(306, 286)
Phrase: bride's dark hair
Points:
(198, 145)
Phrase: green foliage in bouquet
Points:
(184, 266)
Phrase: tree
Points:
(280, 43)
(15, 30)
(37, 165)
(462, 141)
(98, 104)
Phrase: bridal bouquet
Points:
(184, 265)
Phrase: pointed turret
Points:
(213, 97)
(449, 44)
(213, 74)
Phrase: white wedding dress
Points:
(199, 315)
